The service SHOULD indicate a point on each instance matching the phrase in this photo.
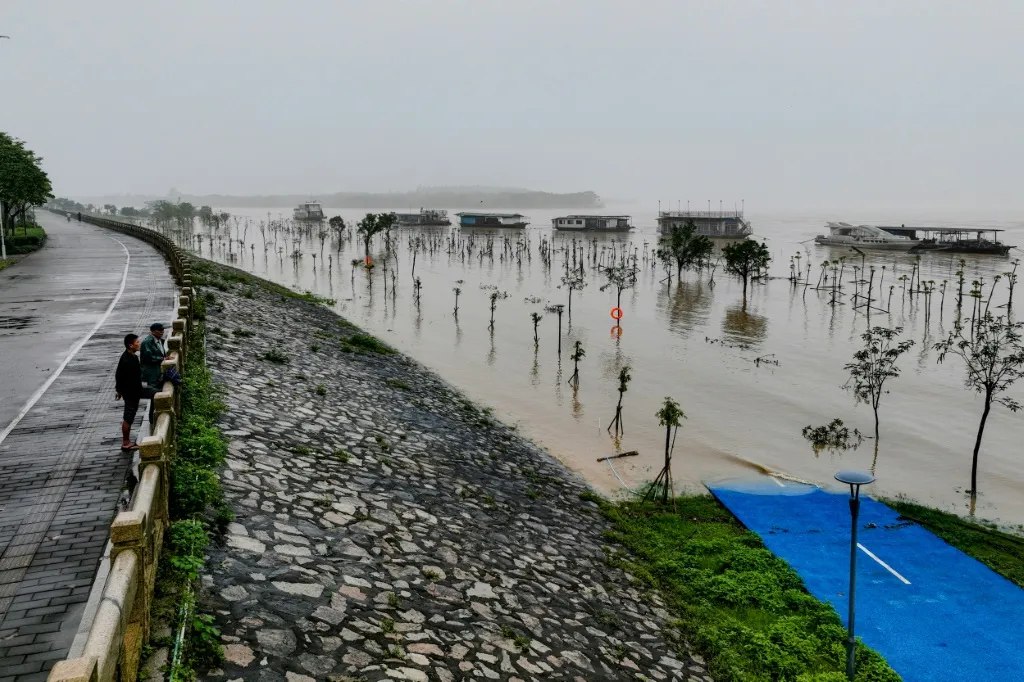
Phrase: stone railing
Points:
(121, 624)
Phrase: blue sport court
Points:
(933, 612)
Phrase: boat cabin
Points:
(607, 223)
(512, 220)
(714, 224)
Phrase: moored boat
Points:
(714, 224)
(427, 217)
(955, 239)
(864, 237)
(308, 212)
(502, 220)
(593, 223)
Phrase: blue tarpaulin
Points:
(933, 612)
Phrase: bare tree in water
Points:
(624, 379)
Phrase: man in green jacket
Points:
(151, 354)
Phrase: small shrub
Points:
(276, 356)
(315, 347)
(243, 333)
(341, 455)
(399, 384)
(321, 390)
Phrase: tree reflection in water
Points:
(688, 304)
(743, 326)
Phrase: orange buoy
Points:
(616, 313)
(616, 331)
(368, 261)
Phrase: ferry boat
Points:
(593, 223)
(427, 217)
(714, 224)
(954, 239)
(505, 220)
(308, 212)
(864, 237)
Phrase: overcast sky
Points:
(783, 104)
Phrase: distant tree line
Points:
(477, 199)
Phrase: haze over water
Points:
(689, 340)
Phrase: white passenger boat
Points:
(864, 237)
(593, 223)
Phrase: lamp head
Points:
(852, 477)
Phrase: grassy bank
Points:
(1002, 552)
(197, 512)
(741, 607)
(25, 239)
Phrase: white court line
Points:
(74, 351)
(882, 563)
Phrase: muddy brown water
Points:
(749, 378)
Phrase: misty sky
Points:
(783, 104)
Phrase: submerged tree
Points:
(578, 353)
(670, 416)
(621, 277)
(536, 317)
(683, 247)
(458, 290)
(993, 355)
(372, 225)
(494, 298)
(746, 260)
(624, 379)
(833, 436)
(573, 281)
(874, 364)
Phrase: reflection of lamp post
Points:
(855, 479)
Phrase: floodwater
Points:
(749, 378)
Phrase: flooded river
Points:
(748, 378)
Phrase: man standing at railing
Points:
(151, 355)
(128, 384)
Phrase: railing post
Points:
(155, 451)
(128, 533)
(75, 670)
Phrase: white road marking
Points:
(882, 563)
(778, 482)
(74, 351)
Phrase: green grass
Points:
(364, 343)
(742, 608)
(6, 263)
(223, 278)
(1002, 552)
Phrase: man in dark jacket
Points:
(128, 384)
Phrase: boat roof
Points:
(496, 215)
(591, 215)
(942, 230)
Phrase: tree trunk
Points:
(977, 444)
(875, 407)
(668, 462)
(744, 289)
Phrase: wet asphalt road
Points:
(50, 301)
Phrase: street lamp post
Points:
(855, 479)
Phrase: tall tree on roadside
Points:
(23, 182)
(874, 364)
(746, 260)
(685, 248)
(993, 354)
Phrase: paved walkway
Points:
(63, 313)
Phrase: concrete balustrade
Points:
(120, 627)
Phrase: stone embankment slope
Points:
(388, 529)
